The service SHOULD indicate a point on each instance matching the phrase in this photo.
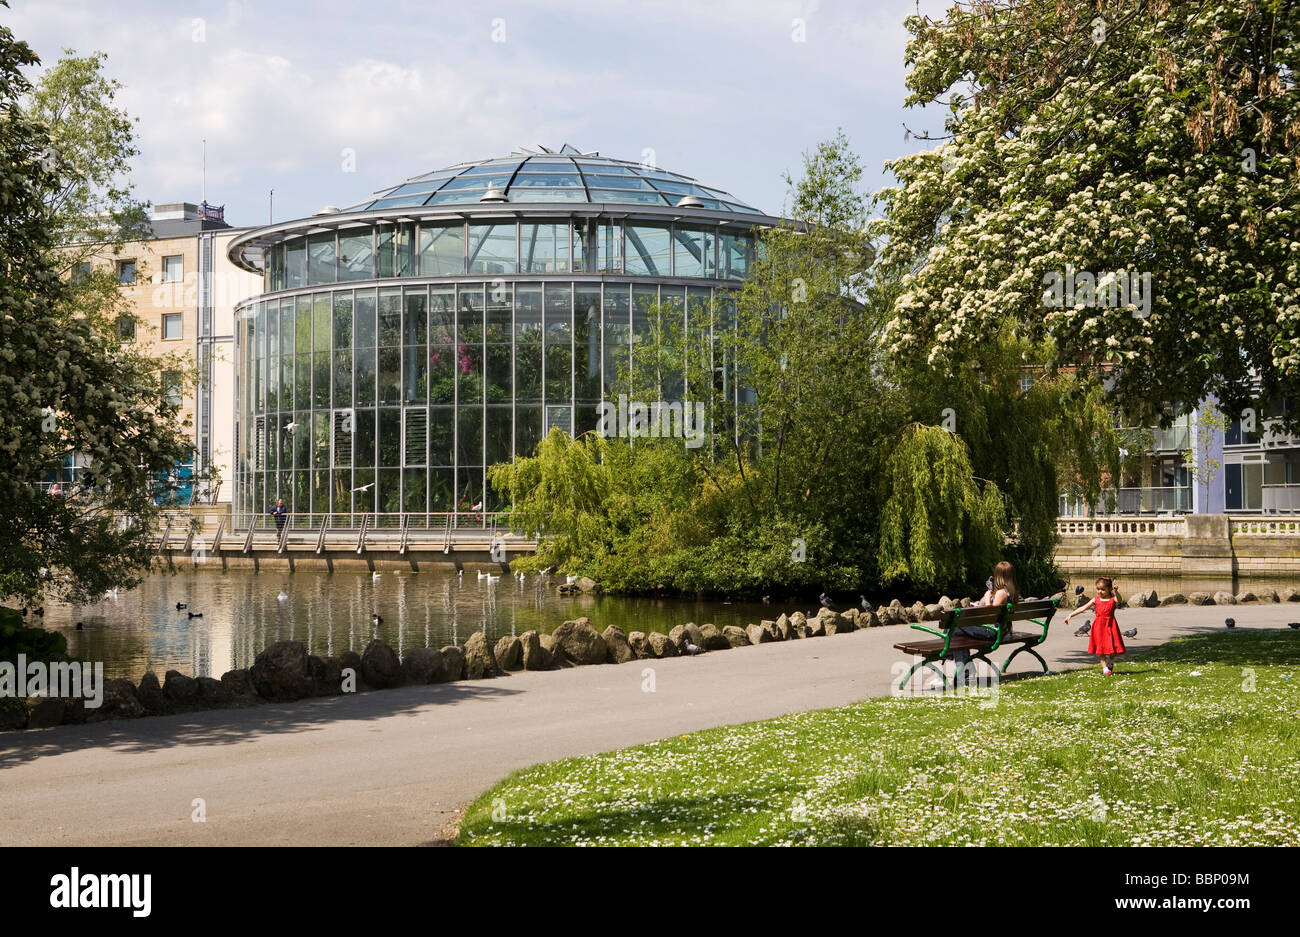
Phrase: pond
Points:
(242, 613)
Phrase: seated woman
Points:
(1002, 589)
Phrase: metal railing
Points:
(1152, 500)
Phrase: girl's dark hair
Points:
(1110, 584)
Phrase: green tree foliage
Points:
(1137, 136)
(67, 385)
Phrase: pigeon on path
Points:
(1083, 629)
(1131, 633)
(826, 601)
(1230, 623)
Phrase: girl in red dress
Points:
(1104, 639)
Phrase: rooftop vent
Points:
(329, 210)
(689, 201)
(493, 194)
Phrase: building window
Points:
(172, 387)
(81, 271)
(171, 326)
(172, 269)
(126, 328)
(1026, 382)
(126, 272)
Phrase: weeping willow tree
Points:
(940, 524)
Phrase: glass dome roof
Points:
(545, 176)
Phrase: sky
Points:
(325, 102)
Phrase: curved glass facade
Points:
(392, 359)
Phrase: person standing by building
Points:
(279, 512)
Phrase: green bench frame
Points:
(999, 618)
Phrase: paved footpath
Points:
(395, 766)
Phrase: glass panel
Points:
(617, 182)
(384, 250)
(475, 182)
(342, 320)
(497, 436)
(648, 250)
(320, 440)
(497, 337)
(469, 433)
(616, 331)
(390, 376)
(364, 498)
(529, 194)
(492, 248)
(550, 180)
(528, 343)
(303, 331)
(469, 345)
(295, 266)
(735, 252)
(442, 488)
(559, 351)
(321, 326)
(390, 317)
(442, 315)
(688, 252)
(356, 255)
(286, 327)
(388, 493)
(363, 370)
(275, 264)
(390, 438)
(442, 249)
(442, 427)
(341, 491)
(415, 323)
(416, 374)
(404, 250)
(584, 247)
(320, 379)
(586, 343)
(624, 197)
(320, 258)
(456, 198)
(528, 429)
(363, 441)
(609, 241)
(544, 248)
(414, 491)
(343, 378)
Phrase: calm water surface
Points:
(330, 612)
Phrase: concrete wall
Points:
(1197, 545)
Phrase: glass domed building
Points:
(404, 344)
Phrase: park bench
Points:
(1001, 619)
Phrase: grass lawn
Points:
(1196, 742)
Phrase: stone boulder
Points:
(423, 665)
(1201, 598)
(1173, 598)
(933, 612)
(736, 636)
(586, 584)
(453, 664)
(509, 653)
(1289, 595)
(617, 650)
(47, 713)
(280, 672)
(757, 634)
(916, 612)
(581, 642)
(1146, 600)
(180, 689)
(1268, 595)
(640, 645)
(1224, 598)
(532, 655)
(119, 702)
(328, 677)
(1246, 596)
(785, 632)
(661, 645)
(151, 696)
(711, 639)
(479, 662)
(380, 666)
(892, 615)
(212, 694)
(240, 688)
(556, 651)
(816, 627)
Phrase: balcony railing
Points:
(1153, 500)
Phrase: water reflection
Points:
(330, 612)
